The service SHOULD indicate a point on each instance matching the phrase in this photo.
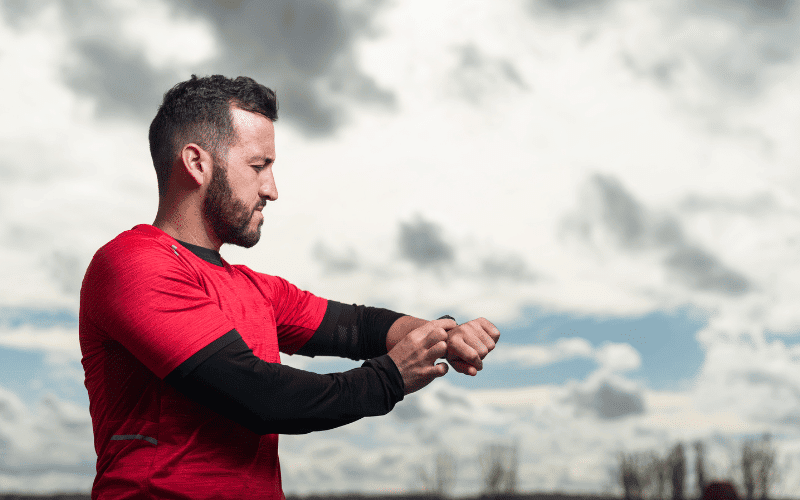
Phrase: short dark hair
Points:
(198, 110)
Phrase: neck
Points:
(184, 221)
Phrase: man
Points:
(181, 349)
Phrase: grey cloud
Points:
(408, 410)
(451, 400)
(335, 261)
(478, 74)
(66, 270)
(511, 267)
(382, 469)
(122, 82)
(302, 50)
(757, 205)
(759, 35)
(763, 35)
(608, 402)
(569, 6)
(608, 209)
(61, 433)
(700, 270)
(662, 71)
(421, 242)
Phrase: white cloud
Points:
(166, 37)
(504, 122)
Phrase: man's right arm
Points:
(270, 398)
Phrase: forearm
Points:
(269, 398)
(351, 331)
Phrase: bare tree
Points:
(629, 476)
(445, 473)
(643, 475)
(442, 479)
(677, 463)
(748, 469)
(758, 467)
(700, 467)
(767, 472)
(660, 468)
(499, 463)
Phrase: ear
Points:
(196, 162)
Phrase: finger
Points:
(434, 336)
(477, 342)
(459, 348)
(486, 340)
(440, 369)
(436, 351)
(462, 367)
(447, 324)
(489, 328)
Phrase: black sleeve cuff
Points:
(351, 331)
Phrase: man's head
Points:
(228, 122)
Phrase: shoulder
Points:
(274, 284)
(143, 250)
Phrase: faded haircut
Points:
(198, 111)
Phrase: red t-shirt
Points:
(145, 308)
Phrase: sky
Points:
(613, 183)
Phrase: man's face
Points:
(240, 187)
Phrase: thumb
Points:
(441, 369)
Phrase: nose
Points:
(268, 188)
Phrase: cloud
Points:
(570, 6)
(66, 270)
(610, 214)
(479, 75)
(49, 449)
(508, 266)
(700, 270)
(608, 399)
(302, 50)
(123, 56)
(38, 318)
(542, 355)
(421, 242)
(610, 357)
(334, 261)
(738, 47)
(120, 81)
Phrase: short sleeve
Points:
(298, 313)
(145, 297)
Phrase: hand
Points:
(417, 352)
(469, 343)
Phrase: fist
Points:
(469, 343)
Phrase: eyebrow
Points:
(260, 159)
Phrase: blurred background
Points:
(614, 183)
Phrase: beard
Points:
(229, 218)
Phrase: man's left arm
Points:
(467, 343)
(360, 332)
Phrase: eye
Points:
(258, 168)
